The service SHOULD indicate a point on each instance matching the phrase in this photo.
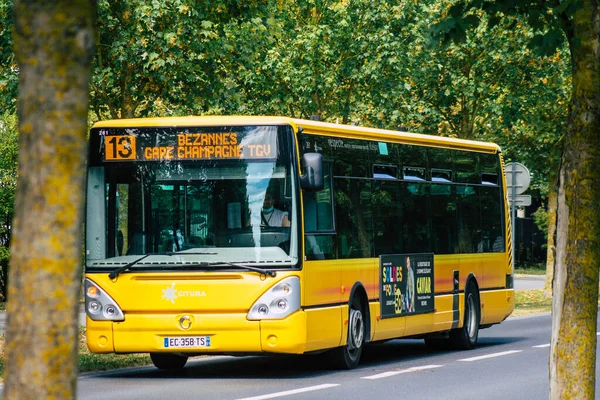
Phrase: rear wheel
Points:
(348, 356)
(168, 361)
(465, 338)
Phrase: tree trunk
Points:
(53, 42)
(575, 300)
(551, 256)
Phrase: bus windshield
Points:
(194, 195)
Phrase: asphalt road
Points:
(511, 362)
(529, 282)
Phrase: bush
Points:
(540, 217)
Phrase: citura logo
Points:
(171, 293)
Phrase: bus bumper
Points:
(229, 333)
(497, 305)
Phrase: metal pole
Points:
(513, 212)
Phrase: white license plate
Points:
(186, 342)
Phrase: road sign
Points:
(522, 200)
(517, 178)
(517, 181)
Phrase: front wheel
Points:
(348, 356)
(168, 361)
(465, 338)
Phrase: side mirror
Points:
(312, 178)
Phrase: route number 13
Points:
(119, 148)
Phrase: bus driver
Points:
(270, 216)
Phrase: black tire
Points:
(348, 356)
(465, 338)
(168, 361)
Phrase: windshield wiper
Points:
(261, 271)
(125, 267)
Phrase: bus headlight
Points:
(99, 306)
(94, 307)
(278, 302)
(282, 304)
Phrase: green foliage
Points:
(347, 58)
(8, 69)
(373, 63)
(532, 302)
(549, 20)
(88, 362)
(8, 186)
(534, 269)
(540, 217)
(489, 87)
(165, 56)
(527, 57)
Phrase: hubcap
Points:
(471, 316)
(356, 330)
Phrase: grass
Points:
(94, 362)
(536, 269)
(526, 302)
(532, 302)
(102, 362)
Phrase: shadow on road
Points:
(376, 356)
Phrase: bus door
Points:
(322, 269)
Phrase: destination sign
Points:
(260, 144)
(119, 148)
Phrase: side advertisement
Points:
(406, 284)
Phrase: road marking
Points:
(291, 392)
(402, 371)
(504, 353)
(540, 346)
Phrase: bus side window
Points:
(492, 219)
(415, 204)
(318, 220)
(469, 220)
(444, 204)
(387, 217)
(354, 217)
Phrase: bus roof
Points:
(191, 121)
(309, 127)
(361, 132)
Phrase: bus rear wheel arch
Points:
(168, 361)
(465, 338)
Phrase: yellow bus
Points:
(255, 235)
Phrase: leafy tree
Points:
(8, 185)
(346, 61)
(321, 57)
(575, 284)
(165, 56)
(489, 87)
(8, 66)
(53, 43)
(358, 61)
